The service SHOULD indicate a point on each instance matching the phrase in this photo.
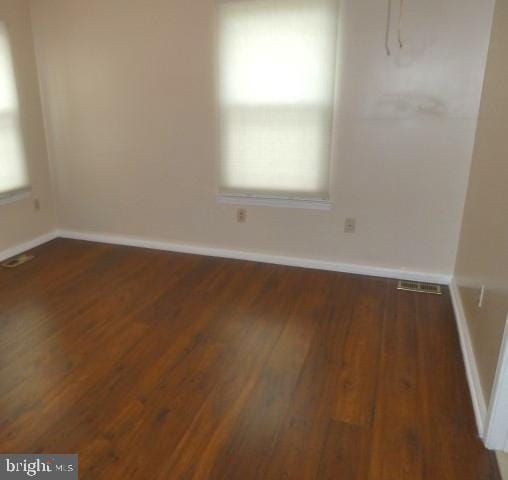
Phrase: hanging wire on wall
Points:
(401, 13)
(389, 25)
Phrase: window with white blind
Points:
(13, 171)
(276, 89)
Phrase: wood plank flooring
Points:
(154, 365)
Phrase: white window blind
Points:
(276, 89)
(13, 172)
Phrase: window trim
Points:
(280, 202)
(12, 196)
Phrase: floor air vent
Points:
(17, 261)
(420, 287)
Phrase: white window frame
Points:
(277, 202)
(323, 203)
(15, 195)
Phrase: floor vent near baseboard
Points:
(420, 287)
(17, 261)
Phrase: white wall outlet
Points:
(350, 225)
(241, 215)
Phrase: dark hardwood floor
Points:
(154, 365)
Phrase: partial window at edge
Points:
(13, 169)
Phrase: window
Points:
(13, 172)
(276, 88)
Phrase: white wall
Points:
(483, 250)
(19, 221)
(502, 459)
(128, 92)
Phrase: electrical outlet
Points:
(481, 297)
(241, 215)
(350, 225)
(37, 204)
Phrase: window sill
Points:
(274, 202)
(15, 196)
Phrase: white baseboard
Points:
(473, 377)
(23, 247)
(256, 257)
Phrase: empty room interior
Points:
(254, 239)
